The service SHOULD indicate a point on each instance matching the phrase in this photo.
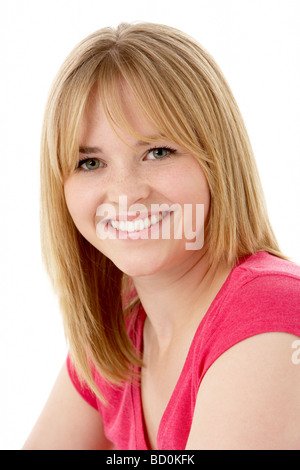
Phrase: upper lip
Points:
(131, 217)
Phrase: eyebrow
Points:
(140, 143)
(89, 150)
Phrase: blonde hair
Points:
(182, 91)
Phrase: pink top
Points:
(261, 294)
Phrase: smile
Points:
(137, 225)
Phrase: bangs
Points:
(152, 94)
(166, 85)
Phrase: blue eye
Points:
(89, 164)
(159, 153)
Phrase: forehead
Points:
(124, 116)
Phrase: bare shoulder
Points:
(67, 421)
(250, 397)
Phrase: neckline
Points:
(140, 422)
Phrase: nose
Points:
(129, 182)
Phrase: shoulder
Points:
(262, 274)
(249, 398)
(250, 373)
(261, 295)
(264, 292)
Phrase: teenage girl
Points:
(181, 313)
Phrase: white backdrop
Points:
(257, 45)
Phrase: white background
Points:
(257, 45)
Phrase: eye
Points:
(89, 164)
(159, 153)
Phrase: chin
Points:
(137, 269)
(144, 260)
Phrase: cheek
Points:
(191, 187)
(194, 190)
(80, 204)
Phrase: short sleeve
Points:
(82, 388)
(266, 303)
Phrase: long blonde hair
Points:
(182, 91)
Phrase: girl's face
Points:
(140, 204)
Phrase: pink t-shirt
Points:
(261, 294)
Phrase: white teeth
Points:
(147, 223)
(130, 226)
(136, 225)
(123, 226)
(153, 219)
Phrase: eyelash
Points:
(85, 160)
(169, 149)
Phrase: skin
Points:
(170, 281)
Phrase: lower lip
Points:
(151, 232)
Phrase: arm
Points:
(250, 398)
(67, 421)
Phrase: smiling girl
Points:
(171, 346)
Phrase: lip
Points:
(130, 217)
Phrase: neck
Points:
(177, 301)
